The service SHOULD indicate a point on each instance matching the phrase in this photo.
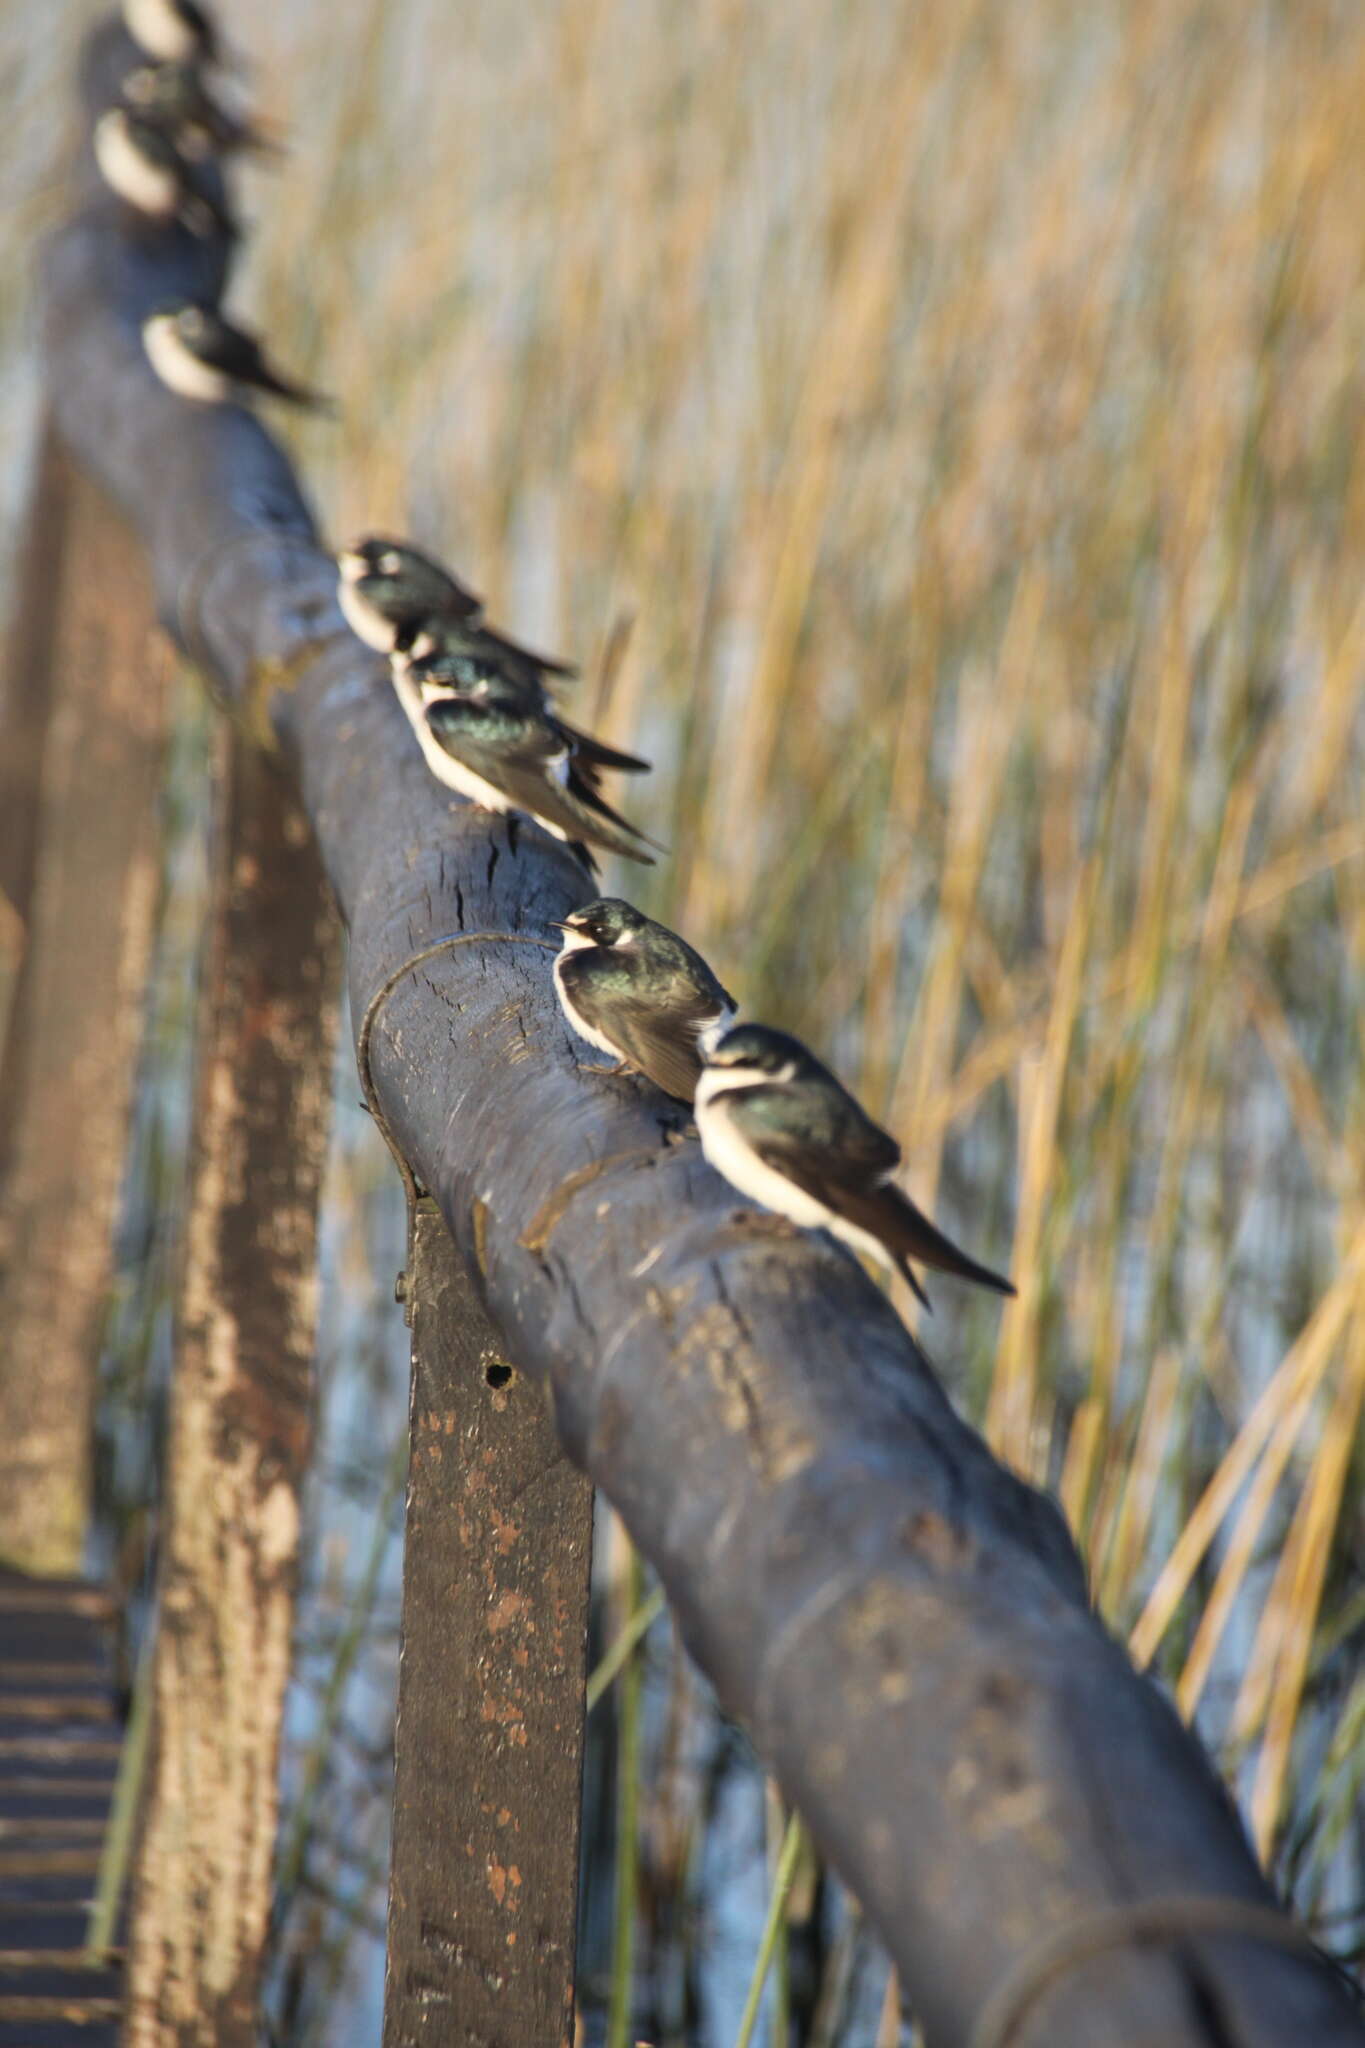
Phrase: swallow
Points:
(780, 1128)
(445, 670)
(636, 991)
(173, 97)
(138, 160)
(388, 590)
(173, 31)
(199, 355)
(492, 745)
(398, 601)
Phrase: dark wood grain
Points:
(489, 1747)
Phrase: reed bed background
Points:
(937, 430)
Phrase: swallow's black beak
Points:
(560, 926)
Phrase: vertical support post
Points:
(87, 709)
(489, 1744)
(241, 1420)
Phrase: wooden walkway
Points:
(60, 1733)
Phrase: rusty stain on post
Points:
(241, 1422)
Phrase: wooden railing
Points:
(900, 1623)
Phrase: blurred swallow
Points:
(494, 746)
(785, 1132)
(460, 673)
(636, 991)
(442, 633)
(398, 600)
(174, 98)
(138, 160)
(201, 356)
(388, 591)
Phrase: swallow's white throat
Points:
(718, 1081)
(575, 941)
(150, 187)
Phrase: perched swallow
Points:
(173, 97)
(460, 673)
(476, 641)
(173, 31)
(200, 355)
(139, 161)
(398, 600)
(783, 1131)
(493, 745)
(388, 590)
(639, 993)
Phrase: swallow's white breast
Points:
(364, 621)
(161, 29)
(573, 942)
(444, 766)
(180, 369)
(732, 1154)
(147, 186)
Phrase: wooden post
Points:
(87, 710)
(241, 1420)
(489, 1745)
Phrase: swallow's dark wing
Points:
(240, 356)
(661, 1044)
(656, 1032)
(688, 963)
(825, 1144)
(427, 582)
(907, 1233)
(516, 652)
(520, 666)
(585, 791)
(813, 1129)
(597, 754)
(203, 206)
(421, 599)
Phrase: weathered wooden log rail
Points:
(901, 1625)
